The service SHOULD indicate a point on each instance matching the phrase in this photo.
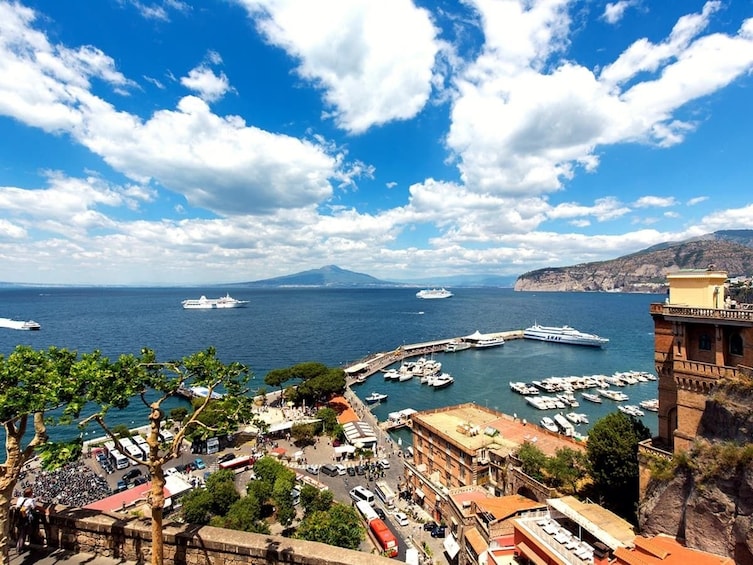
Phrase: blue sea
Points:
(338, 327)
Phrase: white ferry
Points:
(429, 293)
(19, 324)
(205, 303)
(563, 334)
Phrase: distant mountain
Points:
(646, 270)
(330, 276)
(464, 281)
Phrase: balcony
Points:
(741, 313)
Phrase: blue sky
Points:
(181, 142)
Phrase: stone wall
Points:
(129, 538)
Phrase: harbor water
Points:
(338, 327)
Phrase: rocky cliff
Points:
(707, 497)
(646, 271)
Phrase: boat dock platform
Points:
(378, 361)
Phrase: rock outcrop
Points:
(708, 500)
(646, 271)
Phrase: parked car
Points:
(361, 469)
(429, 526)
(226, 457)
(340, 469)
(139, 481)
(351, 471)
(313, 469)
(383, 464)
(438, 532)
(130, 475)
(121, 486)
(199, 463)
(402, 519)
(380, 513)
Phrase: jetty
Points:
(378, 361)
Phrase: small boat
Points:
(563, 334)
(615, 395)
(563, 425)
(577, 418)
(548, 424)
(441, 381)
(592, 397)
(205, 303)
(375, 397)
(432, 293)
(29, 325)
(631, 410)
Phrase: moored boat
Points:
(563, 334)
(615, 395)
(204, 303)
(591, 397)
(441, 381)
(375, 397)
(651, 405)
(456, 345)
(548, 424)
(577, 418)
(479, 340)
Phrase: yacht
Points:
(651, 405)
(429, 293)
(591, 397)
(456, 345)
(577, 417)
(548, 424)
(631, 410)
(375, 397)
(205, 303)
(563, 334)
(441, 381)
(615, 395)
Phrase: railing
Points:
(646, 446)
(743, 312)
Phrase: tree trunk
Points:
(9, 473)
(157, 492)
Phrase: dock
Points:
(378, 361)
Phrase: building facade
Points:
(699, 337)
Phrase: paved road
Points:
(42, 556)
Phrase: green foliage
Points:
(53, 455)
(339, 526)
(315, 500)
(533, 460)
(267, 468)
(121, 431)
(262, 490)
(243, 515)
(178, 413)
(612, 452)
(283, 499)
(567, 468)
(197, 507)
(328, 418)
(303, 434)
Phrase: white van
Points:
(411, 556)
(360, 493)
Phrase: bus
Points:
(384, 537)
(366, 511)
(385, 494)
(239, 463)
(141, 442)
(119, 461)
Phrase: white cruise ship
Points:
(205, 303)
(19, 324)
(429, 293)
(563, 334)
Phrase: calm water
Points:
(281, 327)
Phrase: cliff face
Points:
(646, 271)
(708, 501)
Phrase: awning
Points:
(530, 554)
(451, 546)
(420, 493)
(356, 368)
(340, 449)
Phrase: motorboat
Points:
(652, 405)
(19, 324)
(564, 426)
(591, 397)
(391, 375)
(205, 303)
(375, 397)
(563, 334)
(456, 345)
(577, 418)
(441, 381)
(548, 424)
(631, 410)
(431, 293)
(524, 388)
(615, 395)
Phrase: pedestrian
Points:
(26, 517)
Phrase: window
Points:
(704, 342)
(736, 344)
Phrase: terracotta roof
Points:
(667, 551)
(476, 540)
(502, 507)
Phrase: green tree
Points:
(33, 384)
(179, 413)
(302, 434)
(328, 418)
(283, 497)
(153, 383)
(612, 452)
(197, 507)
(243, 515)
(267, 468)
(339, 526)
(277, 378)
(567, 468)
(532, 460)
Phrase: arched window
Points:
(704, 342)
(736, 344)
